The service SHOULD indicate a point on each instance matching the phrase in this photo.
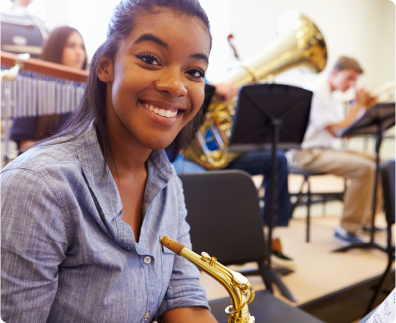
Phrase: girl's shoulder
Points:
(53, 165)
(44, 156)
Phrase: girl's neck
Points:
(129, 158)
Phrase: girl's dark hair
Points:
(93, 103)
(54, 45)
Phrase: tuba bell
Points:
(301, 45)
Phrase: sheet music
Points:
(385, 313)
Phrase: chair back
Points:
(224, 215)
(388, 184)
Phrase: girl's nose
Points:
(171, 83)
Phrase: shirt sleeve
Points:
(184, 289)
(323, 114)
(33, 244)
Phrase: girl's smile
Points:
(162, 112)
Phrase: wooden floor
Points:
(318, 271)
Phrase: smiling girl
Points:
(82, 243)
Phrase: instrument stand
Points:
(271, 116)
(374, 122)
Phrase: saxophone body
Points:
(301, 45)
(237, 286)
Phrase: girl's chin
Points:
(158, 144)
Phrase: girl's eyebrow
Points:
(200, 56)
(155, 39)
(151, 37)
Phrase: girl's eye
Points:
(197, 73)
(148, 59)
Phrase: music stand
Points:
(374, 122)
(271, 116)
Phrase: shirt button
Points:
(147, 260)
(129, 248)
(146, 316)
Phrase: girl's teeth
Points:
(161, 112)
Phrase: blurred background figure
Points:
(326, 120)
(22, 32)
(63, 46)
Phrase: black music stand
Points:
(374, 122)
(271, 116)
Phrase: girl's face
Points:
(155, 85)
(74, 52)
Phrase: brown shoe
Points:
(278, 257)
(276, 245)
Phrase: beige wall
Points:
(364, 29)
(386, 50)
(57, 13)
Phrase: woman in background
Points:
(64, 46)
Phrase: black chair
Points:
(325, 197)
(306, 174)
(226, 222)
(388, 185)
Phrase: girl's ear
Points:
(106, 70)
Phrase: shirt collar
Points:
(100, 179)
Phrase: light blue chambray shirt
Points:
(66, 254)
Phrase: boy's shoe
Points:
(278, 258)
(345, 238)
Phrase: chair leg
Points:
(300, 195)
(270, 277)
(308, 208)
(265, 274)
(324, 205)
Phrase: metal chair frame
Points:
(326, 196)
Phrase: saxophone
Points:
(237, 286)
(301, 45)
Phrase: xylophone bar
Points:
(41, 88)
(34, 94)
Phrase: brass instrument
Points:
(384, 93)
(237, 286)
(381, 94)
(301, 45)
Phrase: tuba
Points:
(237, 286)
(301, 45)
